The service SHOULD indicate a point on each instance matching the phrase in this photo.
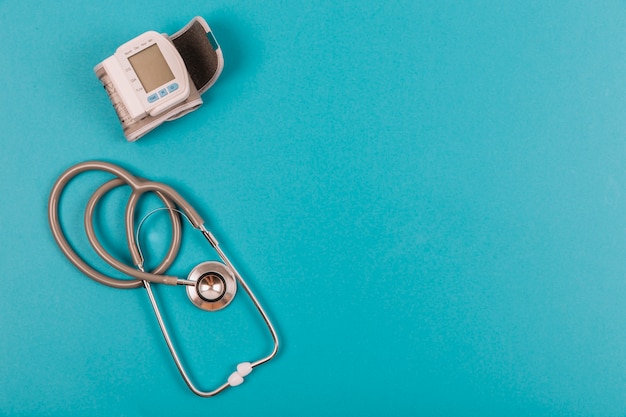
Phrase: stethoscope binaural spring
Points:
(210, 285)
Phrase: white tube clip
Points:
(243, 370)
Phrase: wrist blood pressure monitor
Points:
(156, 78)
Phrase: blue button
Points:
(163, 92)
(172, 87)
(152, 98)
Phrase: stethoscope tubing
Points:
(138, 187)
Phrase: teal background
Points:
(428, 197)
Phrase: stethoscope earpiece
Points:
(215, 286)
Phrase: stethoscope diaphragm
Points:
(215, 287)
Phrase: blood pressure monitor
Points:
(154, 78)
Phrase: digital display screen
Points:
(151, 68)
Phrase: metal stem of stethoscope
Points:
(172, 349)
(196, 279)
(168, 340)
(209, 236)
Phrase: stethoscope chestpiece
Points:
(215, 286)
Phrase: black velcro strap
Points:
(199, 54)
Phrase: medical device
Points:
(154, 78)
(210, 285)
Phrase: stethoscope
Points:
(210, 285)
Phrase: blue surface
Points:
(428, 197)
